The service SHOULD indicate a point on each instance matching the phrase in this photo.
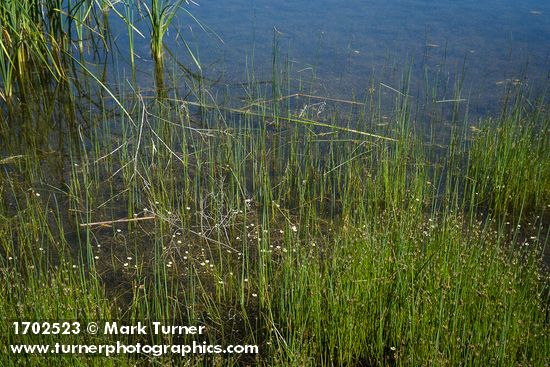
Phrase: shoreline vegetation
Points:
(326, 232)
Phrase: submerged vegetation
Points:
(334, 236)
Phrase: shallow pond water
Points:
(343, 43)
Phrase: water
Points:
(343, 43)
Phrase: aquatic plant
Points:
(160, 15)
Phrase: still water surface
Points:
(344, 42)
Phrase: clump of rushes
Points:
(160, 15)
(510, 162)
(24, 43)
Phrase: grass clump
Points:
(511, 162)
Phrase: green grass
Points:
(510, 162)
(327, 239)
(160, 15)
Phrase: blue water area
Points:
(341, 44)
